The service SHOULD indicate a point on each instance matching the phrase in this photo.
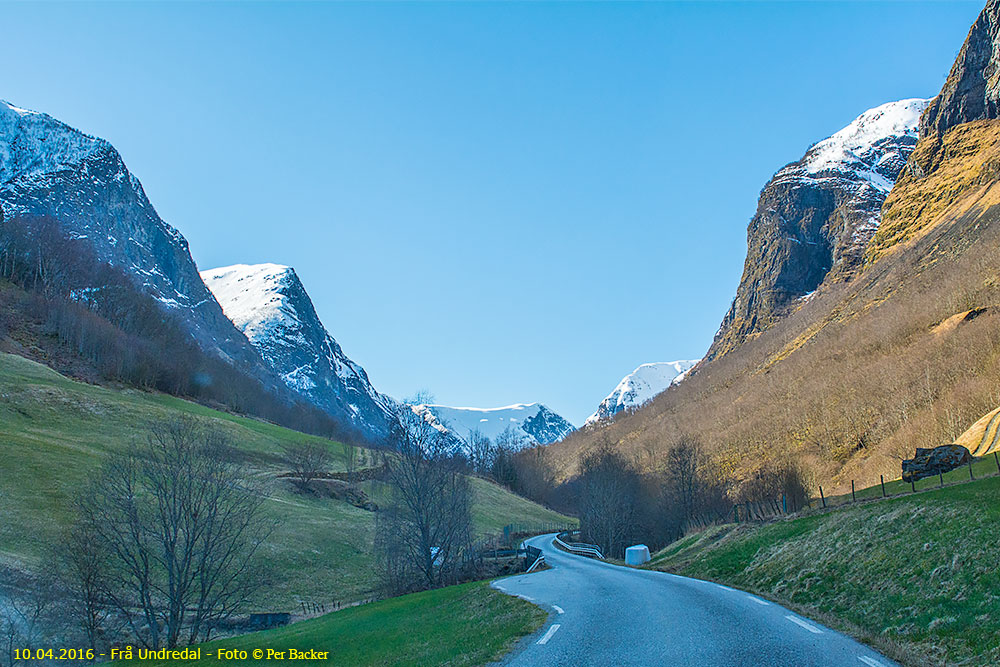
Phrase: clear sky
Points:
(498, 203)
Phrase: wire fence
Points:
(770, 508)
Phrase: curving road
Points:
(602, 614)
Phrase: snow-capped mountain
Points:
(816, 217)
(269, 304)
(534, 422)
(641, 386)
(47, 168)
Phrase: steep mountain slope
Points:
(903, 352)
(816, 216)
(534, 422)
(269, 304)
(50, 169)
(641, 385)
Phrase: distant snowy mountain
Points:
(537, 424)
(47, 168)
(269, 304)
(641, 385)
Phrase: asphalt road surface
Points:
(602, 614)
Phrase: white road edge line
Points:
(758, 600)
(559, 610)
(808, 626)
(870, 661)
(548, 635)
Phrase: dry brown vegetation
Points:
(862, 372)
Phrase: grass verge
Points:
(914, 576)
(470, 624)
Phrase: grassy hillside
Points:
(915, 576)
(470, 624)
(54, 431)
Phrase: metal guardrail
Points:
(579, 548)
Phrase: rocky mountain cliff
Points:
(534, 422)
(641, 386)
(816, 217)
(47, 168)
(269, 304)
(972, 89)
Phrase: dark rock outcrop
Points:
(972, 89)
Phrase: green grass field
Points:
(470, 624)
(55, 431)
(915, 576)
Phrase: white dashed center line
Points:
(808, 626)
(548, 635)
(559, 610)
(758, 601)
(869, 661)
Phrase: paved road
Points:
(606, 615)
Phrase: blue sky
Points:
(498, 203)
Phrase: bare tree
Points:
(307, 461)
(508, 444)
(480, 452)
(25, 610)
(682, 478)
(424, 532)
(180, 520)
(351, 456)
(83, 565)
(609, 498)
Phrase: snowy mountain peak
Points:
(534, 422)
(255, 297)
(37, 143)
(642, 385)
(850, 145)
(871, 149)
(269, 304)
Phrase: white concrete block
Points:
(637, 555)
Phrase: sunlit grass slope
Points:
(470, 624)
(55, 431)
(915, 576)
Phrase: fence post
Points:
(784, 504)
(941, 479)
(997, 460)
(913, 485)
(854, 498)
(881, 480)
(971, 476)
(822, 497)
